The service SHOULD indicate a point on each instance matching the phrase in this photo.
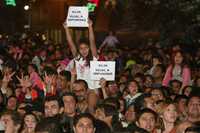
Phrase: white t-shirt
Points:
(83, 71)
(110, 41)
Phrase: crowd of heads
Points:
(156, 89)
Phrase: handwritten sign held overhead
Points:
(102, 69)
(77, 16)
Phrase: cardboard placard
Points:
(77, 16)
(102, 69)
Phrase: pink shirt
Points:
(36, 80)
(186, 76)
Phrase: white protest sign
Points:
(77, 16)
(102, 69)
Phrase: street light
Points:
(26, 7)
(28, 12)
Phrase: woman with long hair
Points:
(169, 115)
(177, 70)
(86, 52)
(30, 121)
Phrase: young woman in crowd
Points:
(30, 121)
(178, 70)
(133, 103)
(86, 52)
(169, 115)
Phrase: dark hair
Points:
(15, 116)
(30, 113)
(109, 110)
(49, 125)
(11, 64)
(101, 127)
(175, 81)
(66, 74)
(145, 110)
(192, 96)
(157, 56)
(124, 102)
(163, 90)
(183, 64)
(83, 82)
(195, 129)
(70, 94)
(83, 115)
(179, 97)
(184, 88)
(84, 41)
(89, 56)
(140, 101)
(174, 54)
(53, 98)
(195, 80)
(140, 130)
(34, 67)
(133, 80)
(13, 96)
(50, 70)
(113, 102)
(161, 66)
(3, 100)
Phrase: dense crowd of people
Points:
(47, 88)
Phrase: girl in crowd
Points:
(86, 52)
(30, 122)
(177, 70)
(187, 90)
(168, 114)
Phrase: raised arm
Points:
(70, 41)
(92, 39)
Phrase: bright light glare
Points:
(26, 7)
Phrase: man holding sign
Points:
(86, 50)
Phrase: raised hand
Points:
(7, 77)
(102, 83)
(50, 82)
(73, 71)
(90, 23)
(65, 25)
(49, 79)
(25, 81)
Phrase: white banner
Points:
(77, 16)
(102, 69)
